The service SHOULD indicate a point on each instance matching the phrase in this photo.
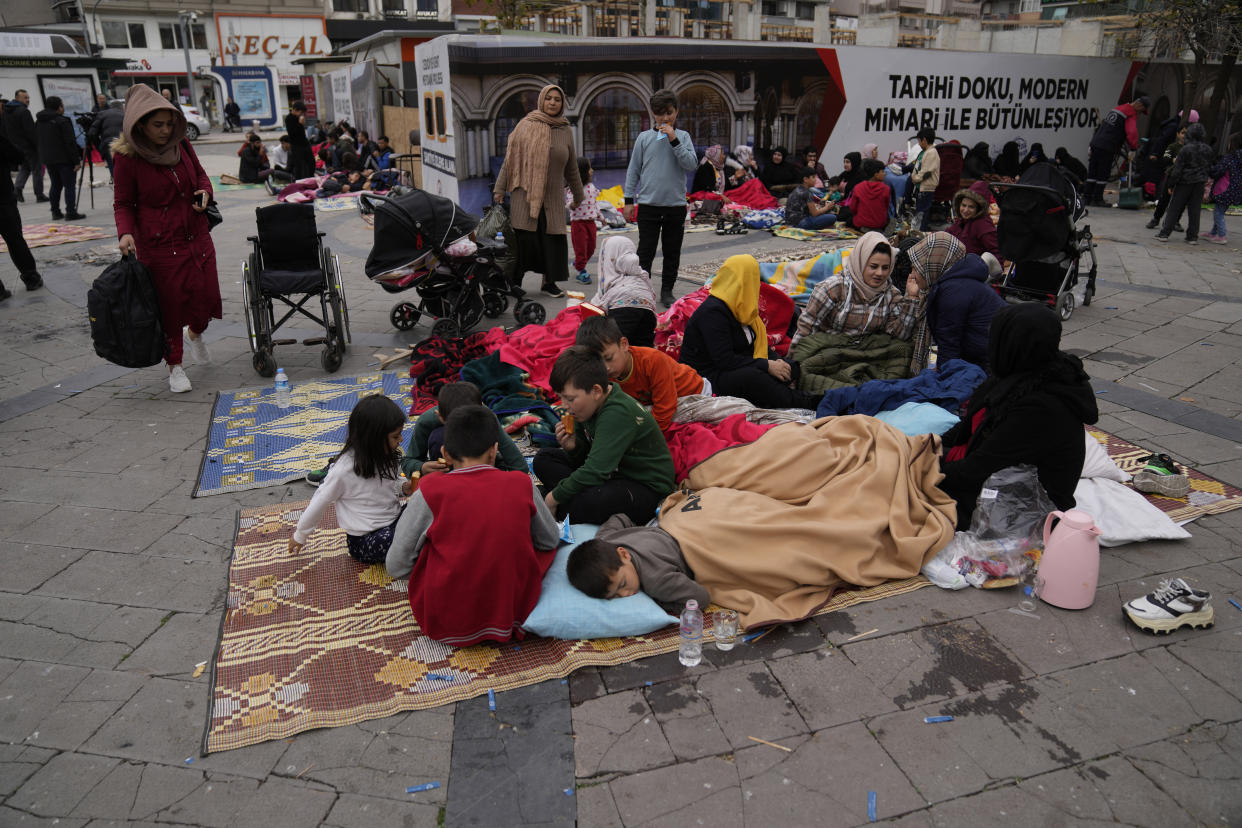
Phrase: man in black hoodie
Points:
(11, 224)
(61, 155)
(19, 128)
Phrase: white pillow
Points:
(1098, 464)
(1122, 514)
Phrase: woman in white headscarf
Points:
(861, 299)
(625, 292)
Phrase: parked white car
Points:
(195, 124)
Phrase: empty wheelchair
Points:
(290, 265)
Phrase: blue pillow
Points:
(915, 418)
(564, 612)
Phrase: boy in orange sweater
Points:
(648, 375)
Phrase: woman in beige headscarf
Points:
(861, 299)
(539, 163)
(160, 195)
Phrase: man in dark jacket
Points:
(1118, 127)
(19, 128)
(60, 154)
(109, 123)
(1185, 184)
(232, 116)
(11, 224)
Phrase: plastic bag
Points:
(495, 223)
(611, 215)
(1005, 535)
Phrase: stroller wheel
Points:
(1065, 305)
(330, 358)
(404, 316)
(530, 313)
(494, 304)
(264, 363)
(446, 329)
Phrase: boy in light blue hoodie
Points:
(656, 179)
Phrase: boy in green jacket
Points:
(613, 458)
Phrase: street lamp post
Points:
(184, 19)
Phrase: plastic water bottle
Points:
(691, 651)
(284, 394)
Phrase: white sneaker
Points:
(178, 382)
(198, 350)
(1175, 604)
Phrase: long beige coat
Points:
(562, 172)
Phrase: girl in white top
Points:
(364, 482)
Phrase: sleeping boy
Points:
(623, 558)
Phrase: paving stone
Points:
(352, 811)
(10, 816)
(57, 788)
(596, 808)
(215, 802)
(161, 787)
(1215, 655)
(687, 721)
(827, 775)
(617, 733)
(1200, 770)
(113, 797)
(14, 773)
(748, 701)
(828, 689)
(140, 581)
(930, 605)
(1108, 790)
(784, 640)
(585, 684)
(176, 646)
(30, 693)
(707, 790)
(934, 663)
(513, 767)
(109, 529)
(652, 670)
(1059, 638)
(28, 565)
(85, 709)
(163, 723)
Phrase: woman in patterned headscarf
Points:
(539, 163)
(717, 172)
(958, 303)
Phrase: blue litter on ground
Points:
(438, 677)
(491, 700)
(569, 792)
(189, 760)
(871, 805)
(419, 788)
(936, 719)
(1235, 603)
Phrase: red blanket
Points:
(753, 194)
(692, 443)
(534, 348)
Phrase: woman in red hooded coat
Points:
(161, 193)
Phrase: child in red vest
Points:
(869, 201)
(475, 541)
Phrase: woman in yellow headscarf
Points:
(727, 342)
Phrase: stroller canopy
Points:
(413, 226)
(1037, 216)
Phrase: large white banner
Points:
(340, 95)
(970, 96)
(435, 94)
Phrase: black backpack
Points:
(125, 315)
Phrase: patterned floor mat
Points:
(46, 235)
(1208, 496)
(217, 184)
(251, 443)
(318, 640)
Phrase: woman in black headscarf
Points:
(978, 162)
(1009, 163)
(1031, 409)
(1071, 165)
(1035, 156)
(780, 175)
(852, 174)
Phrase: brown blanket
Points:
(773, 527)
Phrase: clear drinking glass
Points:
(1029, 588)
(724, 629)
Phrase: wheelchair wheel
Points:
(404, 316)
(336, 297)
(446, 329)
(529, 312)
(495, 304)
(331, 357)
(264, 363)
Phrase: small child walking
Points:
(582, 221)
(364, 482)
(1226, 191)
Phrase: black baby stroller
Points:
(412, 233)
(289, 264)
(1038, 233)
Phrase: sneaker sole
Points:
(1202, 619)
(314, 483)
(1169, 485)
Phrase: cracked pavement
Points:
(114, 583)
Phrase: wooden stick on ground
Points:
(770, 744)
